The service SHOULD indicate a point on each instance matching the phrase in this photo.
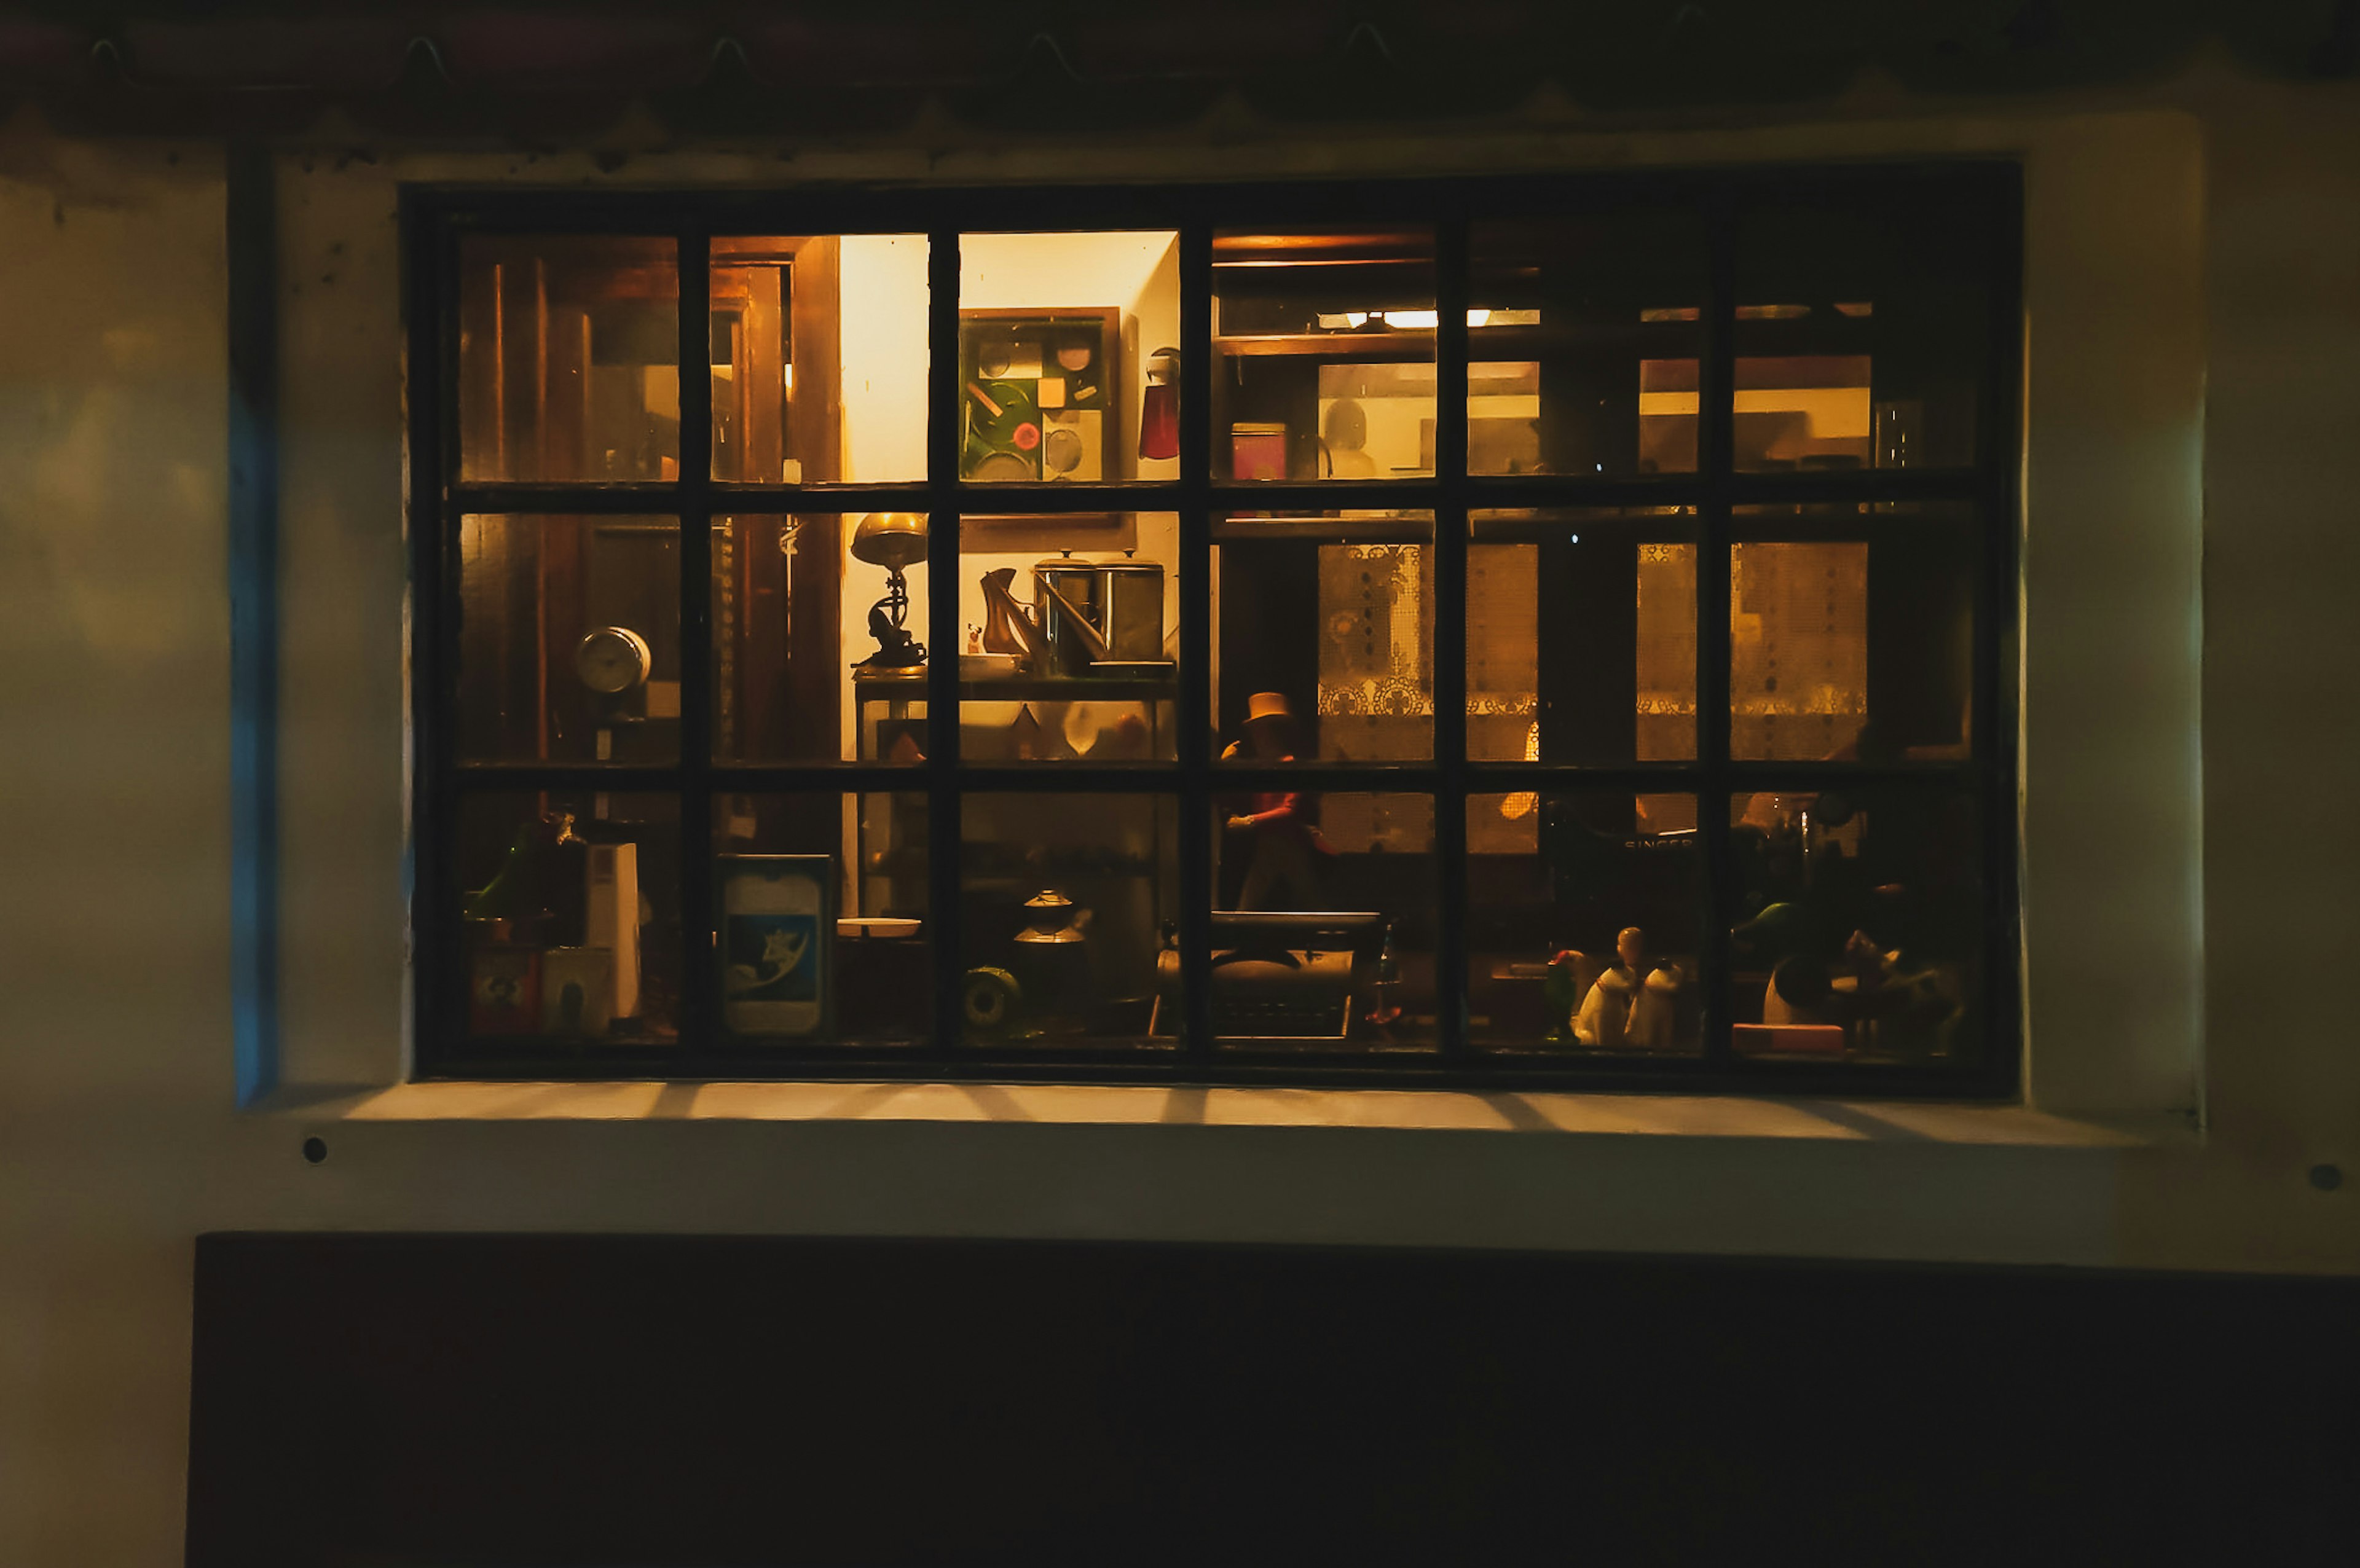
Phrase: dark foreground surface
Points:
(640, 1402)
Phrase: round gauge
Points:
(613, 659)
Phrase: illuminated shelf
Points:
(1408, 345)
(1325, 530)
(1027, 689)
(1068, 689)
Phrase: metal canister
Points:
(1121, 600)
(1052, 961)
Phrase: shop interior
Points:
(1582, 642)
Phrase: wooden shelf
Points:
(1027, 689)
(1409, 345)
(1068, 689)
(1325, 530)
(1401, 347)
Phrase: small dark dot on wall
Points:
(315, 1150)
(2327, 1178)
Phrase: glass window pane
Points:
(1323, 632)
(1325, 346)
(568, 639)
(1852, 651)
(1862, 329)
(1067, 901)
(1062, 336)
(824, 935)
(569, 905)
(796, 679)
(569, 359)
(1324, 925)
(1583, 335)
(1585, 920)
(1858, 917)
(1072, 637)
(1581, 634)
(819, 358)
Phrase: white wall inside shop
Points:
(2188, 294)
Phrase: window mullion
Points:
(943, 815)
(441, 1017)
(1450, 650)
(1196, 716)
(1716, 431)
(699, 1012)
(1991, 711)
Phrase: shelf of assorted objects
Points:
(1339, 347)
(1381, 346)
(1415, 529)
(1028, 688)
(1068, 689)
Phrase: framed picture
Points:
(1041, 397)
(777, 944)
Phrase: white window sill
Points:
(1716, 1116)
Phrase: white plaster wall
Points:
(2112, 615)
(114, 963)
(118, 1142)
(2282, 753)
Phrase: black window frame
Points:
(436, 220)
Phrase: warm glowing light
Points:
(1520, 804)
(1423, 320)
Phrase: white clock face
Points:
(613, 659)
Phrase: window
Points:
(1521, 633)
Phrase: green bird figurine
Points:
(1561, 987)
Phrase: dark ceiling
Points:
(559, 73)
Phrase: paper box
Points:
(577, 991)
(614, 918)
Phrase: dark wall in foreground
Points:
(624, 1400)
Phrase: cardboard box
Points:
(614, 918)
(577, 991)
